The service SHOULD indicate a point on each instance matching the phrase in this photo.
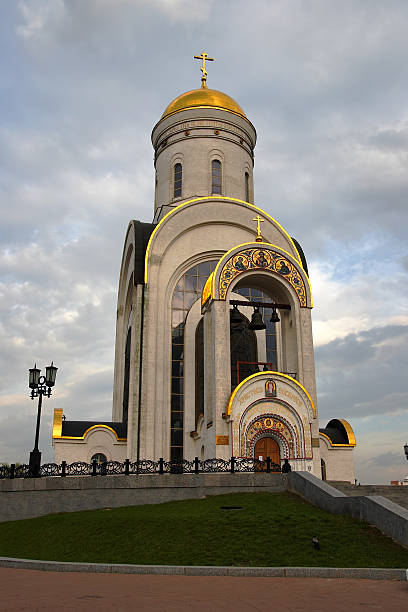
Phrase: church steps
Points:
(398, 495)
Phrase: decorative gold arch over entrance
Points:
(261, 259)
(290, 441)
(260, 256)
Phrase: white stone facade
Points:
(173, 384)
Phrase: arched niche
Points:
(288, 330)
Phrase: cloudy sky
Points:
(82, 82)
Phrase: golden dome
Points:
(203, 97)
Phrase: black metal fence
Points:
(143, 466)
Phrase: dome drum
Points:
(203, 122)
(196, 138)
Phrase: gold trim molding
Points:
(57, 429)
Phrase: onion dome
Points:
(203, 98)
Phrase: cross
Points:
(258, 220)
(204, 56)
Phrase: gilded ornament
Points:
(258, 220)
(204, 56)
(261, 259)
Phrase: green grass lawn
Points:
(270, 530)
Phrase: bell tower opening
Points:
(243, 348)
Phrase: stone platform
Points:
(30, 497)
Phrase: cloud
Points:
(362, 375)
(40, 17)
(83, 83)
(355, 291)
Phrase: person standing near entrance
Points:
(286, 467)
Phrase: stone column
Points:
(217, 375)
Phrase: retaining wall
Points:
(387, 516)
(30, 497)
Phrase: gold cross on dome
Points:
(258, 220)
(204, 56)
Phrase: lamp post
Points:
(39, 385)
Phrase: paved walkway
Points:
(34, 591)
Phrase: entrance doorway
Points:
(267, 447)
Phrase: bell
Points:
(256, 320)
(274, 317)
(235, 315)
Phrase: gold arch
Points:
(231, 399)
(222, 198)
(349, 431)
(57, 429)
(247, 253)
(332, 443)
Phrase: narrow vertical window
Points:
(178, 180)
(323, 466)
(126, 377)
(246, 187)
(216, 176)
(199, 376)
(188, 290)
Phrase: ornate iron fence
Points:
(143, 466)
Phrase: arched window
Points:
(99, 458)
(257, 295)
(246, 187)
(178, 180)
(126, 378)
(187, 291)
(216, 172)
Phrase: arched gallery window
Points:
(257, 295)
(216, 174)
(187, 291)
(178, 180)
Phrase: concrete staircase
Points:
(396, 494)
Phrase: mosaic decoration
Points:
(268, 424)
(261, 259)
(270, 388)
(275, 419)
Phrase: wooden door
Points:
(267, 447)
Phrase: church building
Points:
(214, 349)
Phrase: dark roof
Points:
(143, 231)
(302, 255)
(78, 428)
(336, 431)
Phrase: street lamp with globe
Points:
(39, 385)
